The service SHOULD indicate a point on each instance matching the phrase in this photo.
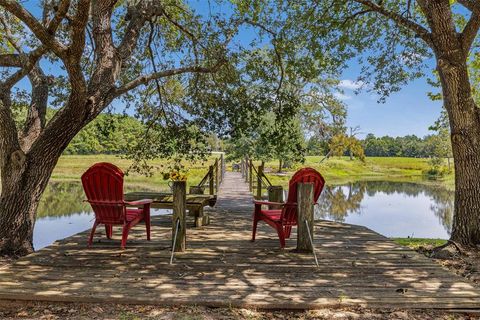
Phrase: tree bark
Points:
(452, 49)
(465, 137)
(25, 175)
(280, 165)
(23, 183)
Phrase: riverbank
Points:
(464, 262)
(71, 168)
(340, 170)
(336, 170)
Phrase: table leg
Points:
(201, 219)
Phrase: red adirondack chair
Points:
(283, 219)
(103, 185)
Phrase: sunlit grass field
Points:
(71, 167)
(336, 170)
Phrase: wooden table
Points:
(195, 203)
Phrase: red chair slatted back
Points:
(103, 186)
(289, 213)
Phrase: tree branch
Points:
(275, 48)
(24, 61)
(47, 38)
(137, 21)
(61, 12)
(74, 52)
(35, 120)
(162, 74)
(472, 5)
(78, 23)
(419, 30)
(8, 34)
(10, 60)
(470, 31)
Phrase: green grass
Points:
(415, 243)
(71, 167)
(337, 170)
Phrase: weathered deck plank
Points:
(221, 267)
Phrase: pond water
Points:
(63, 213)
(394, 209)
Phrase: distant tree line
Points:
(434, 145)
(117, 134)
(108, 134)
(407, 146)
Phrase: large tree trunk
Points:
(21, 192)
(280, 165)
(465, 128)
(465, 135)
(451, 51)
(25, 175)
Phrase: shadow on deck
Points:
(221, 267)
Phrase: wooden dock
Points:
(221, 267)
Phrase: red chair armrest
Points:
(139, 202)
(268, 203)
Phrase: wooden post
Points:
(179, 190)
(305, 212)
(275, 194)
(216, 176)
(222, 164)
(246, 169)
(224, 167)
(250, 175)
(210, 179)
(259, 182)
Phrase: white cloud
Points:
(342, 96)
(350, 84)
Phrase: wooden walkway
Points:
(223, 268)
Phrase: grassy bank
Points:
(335, 170)
(70, 168)
(339, 170)
(416, 243)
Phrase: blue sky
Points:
(409, 111)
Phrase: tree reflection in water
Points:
(362, 202)
(63, 199)
(62, 213)
(341, 201)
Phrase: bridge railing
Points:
(258, 182)
(213, 178)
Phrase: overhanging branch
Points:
(472, 5)
(23, 61)
(44, 35)
(162, 74)
(419, 30)
(470, 31)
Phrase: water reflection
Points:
(62, 199)
(62, 213)
(394, 209)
